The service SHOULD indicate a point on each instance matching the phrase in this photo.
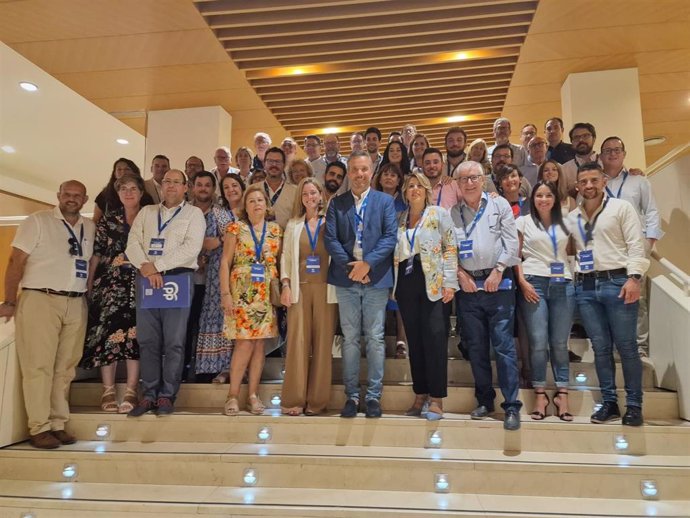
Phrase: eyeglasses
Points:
(273, 161)
(473, 178)
(172, 182)
(583, 136)
(612, 151)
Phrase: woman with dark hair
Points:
(111, 330)
(416, 153)
(213, 348)
(108, 198)
(548, 298)
(395, 153)
(508, 180)
(551, 171)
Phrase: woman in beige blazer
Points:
(311, 305)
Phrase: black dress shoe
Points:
(373, 408)
(608, 412)
(350, 408)
(481, 412)
(633, 416)
(511, 421)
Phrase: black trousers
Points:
(427, 338)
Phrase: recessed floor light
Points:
(29, 87)
(122, 141)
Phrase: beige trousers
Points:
(310, 330)
(50, 331)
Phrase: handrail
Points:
(669, 157)
(675, 273)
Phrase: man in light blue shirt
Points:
(487, 248)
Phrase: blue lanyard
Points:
(588, 230)
(440, 192)
(476, 219)
(74, 236)
(258, 245)
(618, 194)
(315, 238)
(554, 242)
(275, 197)
(359, 218)
(414, 232)
(162, 226)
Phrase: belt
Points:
(480, 274)
(71, 294)
(602, 274)
(177, 271)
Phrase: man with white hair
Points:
(262, 141)
(502, 136)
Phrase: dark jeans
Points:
(161, 334)
(188, 371)
(426, 333)
(608, 320)
(489, 317)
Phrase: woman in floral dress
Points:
(249, 262)
(111, 332)
(213, 348)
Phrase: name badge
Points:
(313, 264)
(409, 266)
(557, 272)
(465, 249)
(81, 267)
(586, 260)
(156, 246)
(258, 273)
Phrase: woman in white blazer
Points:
(311, 313)
(426, 265)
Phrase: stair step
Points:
(659, 404)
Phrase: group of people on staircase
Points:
(194, 274)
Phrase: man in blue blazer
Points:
(361, 233)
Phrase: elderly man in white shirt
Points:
(165, 240)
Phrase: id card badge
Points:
(557, 273)
(313, 264)
(586, 260)
(409, 265)
(465, 249)
(156, 246)
(258, 272)
(81, 268)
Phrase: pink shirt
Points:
(450, 195)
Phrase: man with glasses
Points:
(279, 192)
(527, 133)
(610, 264)
(356, 141)
(503, 155)
(582, 135)
(637, 190)
(165, 240)
(50, 258)
(487, 248)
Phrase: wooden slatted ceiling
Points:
(351, 64)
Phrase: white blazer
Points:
(289, 260)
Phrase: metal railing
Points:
(675, 273)
(668, 158)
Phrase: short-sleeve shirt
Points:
(537, 248)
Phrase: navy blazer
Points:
(378, 239)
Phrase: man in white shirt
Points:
(50, 257)
(610, 263)
(164, 240)
(502, 136)
(312, 147)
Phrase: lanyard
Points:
(275, 197)
(315, 238)
(554, 242)
(258, 245)
(476, 219)
(440, 192)
(359, 217)
(618, 194)
(162, 226)
(414, 232)
(588, 229)
(232, 215)
(74, 236)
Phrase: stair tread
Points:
(313, 502)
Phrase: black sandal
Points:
(565, 416)
(537, 415)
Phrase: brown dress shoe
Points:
(64, 437)
(44, 441)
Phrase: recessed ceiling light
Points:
(8, 149)
(654, 141)
(462, 55)
(456, 118)
(29, 87)
(330, 130)
(122, 141)
(298, 71)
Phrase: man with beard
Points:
(610, 263)
(279, 192)
(357, 141)
(192, 166)
(50, 257)
(333, 180)
(502, 155)
(444, 193)
(455, 140)
(582, 135)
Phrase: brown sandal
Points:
(129, 402)
(109, 399)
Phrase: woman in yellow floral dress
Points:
(249, 262)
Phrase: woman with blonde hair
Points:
(311, 305)
(249, 262)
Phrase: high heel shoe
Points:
(255, 406)
(232, 407)
(563, 416)
(537, 415)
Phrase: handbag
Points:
(275, 293)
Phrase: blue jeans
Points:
(608, 320)
(483, 317)
(362, 312)
(548, 325)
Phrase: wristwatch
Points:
(635, 276)
(500, 268)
